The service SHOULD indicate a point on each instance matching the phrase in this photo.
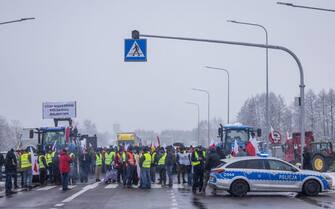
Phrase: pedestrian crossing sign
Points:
(135, 50)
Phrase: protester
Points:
(42, 164)
(198, 170)
(10, 170)
(145, 164)
(212, 161)
(84, 162)
(64, 168)
(130, 167)
(98, 165)
(153, 165)
(2, 162)
(73, 169)
(182, 160)
(26, 167)
(161, 166)
(170, 164)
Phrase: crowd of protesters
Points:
(125, 165)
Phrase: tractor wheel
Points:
(319, 163)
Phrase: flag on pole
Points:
(235, 149)
(252, 146)
(158, 141)
(54, 146)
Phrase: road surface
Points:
(101, 196)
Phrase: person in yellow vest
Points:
(197, 161)
(145, 164)
(98, 165)
(153, 165)
(26, 167)
(161, 166)
(49, 158)
(42, 164)
(109, 158)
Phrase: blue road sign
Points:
(135, 50)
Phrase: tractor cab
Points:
(236, 132)
(322, 147)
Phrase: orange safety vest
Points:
(131, 159)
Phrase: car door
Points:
(257, 174)
(283, 176)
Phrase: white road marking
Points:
(156, 186)
(59, 205)
(111, 186)
(85, 189)
(70, 187)
(174, 208)
(46, 188)
(174, 204)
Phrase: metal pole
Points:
(301, 71)
(198, 108)
(305, 7)
(208, 112)
(19, 20)
(267, 115)
(215, 68)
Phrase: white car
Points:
(266, 174)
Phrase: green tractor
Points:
(322, 156)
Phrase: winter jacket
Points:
(212, 160)
(2, 160)
(10, 162)
(170, 159)
(64, 162)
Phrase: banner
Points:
(53, 110)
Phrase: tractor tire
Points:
(239, 188)
(311, 188)
(319, 163)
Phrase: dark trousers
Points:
(198, 175)
(43, 176)
(119, 174)
(65, 181)
(181, 172)
(131, 171)
(50, 176)
(153, 174)
(162, 174)
(169, 170)
(9, 176)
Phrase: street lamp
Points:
(214, 68)
(198, 108)
(305, 7)
(208, 111)
(18, 20)
(267, 119)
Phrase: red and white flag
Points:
(252, 147)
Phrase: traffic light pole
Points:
(136, 35)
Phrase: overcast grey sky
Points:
(74, 51)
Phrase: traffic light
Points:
(31, 133)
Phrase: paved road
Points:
(101, 196)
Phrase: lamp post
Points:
(208, 111)
(198, 108)
(18, 20)
(267, 116)
(228, 105)
(305, 7)
(136, 34)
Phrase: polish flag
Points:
(235, 149)
(252, 147)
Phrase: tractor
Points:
(322, 155)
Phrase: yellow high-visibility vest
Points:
(109, 158)
(40, 161)
(162, 160)
(153, 157)
(196, 162)
(147, 161)
(98, 160)
(25, 160)
(123, 156)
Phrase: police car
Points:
(266, 174)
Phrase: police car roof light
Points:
(263, 154)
